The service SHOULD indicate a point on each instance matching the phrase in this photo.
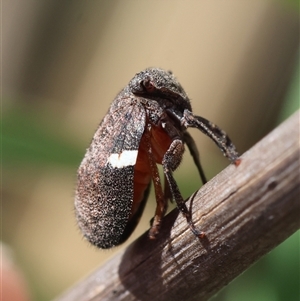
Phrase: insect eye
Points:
(148, 86)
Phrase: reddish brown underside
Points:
(160, 143)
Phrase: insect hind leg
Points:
(161, 200)
(188, 139)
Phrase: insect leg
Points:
(214, 132)
(170, 162)
(161, 201)
(195, 154)
(167, 190)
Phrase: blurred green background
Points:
(63, 63)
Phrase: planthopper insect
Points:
(146, 125)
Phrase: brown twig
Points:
(245, 212)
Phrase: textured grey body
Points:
(152, 106)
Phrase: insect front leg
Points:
(214, 132)
(171, 160)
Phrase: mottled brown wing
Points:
(104, 192)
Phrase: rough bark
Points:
(245, 211)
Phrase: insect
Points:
(146, 125)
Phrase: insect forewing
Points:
(104, 193)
